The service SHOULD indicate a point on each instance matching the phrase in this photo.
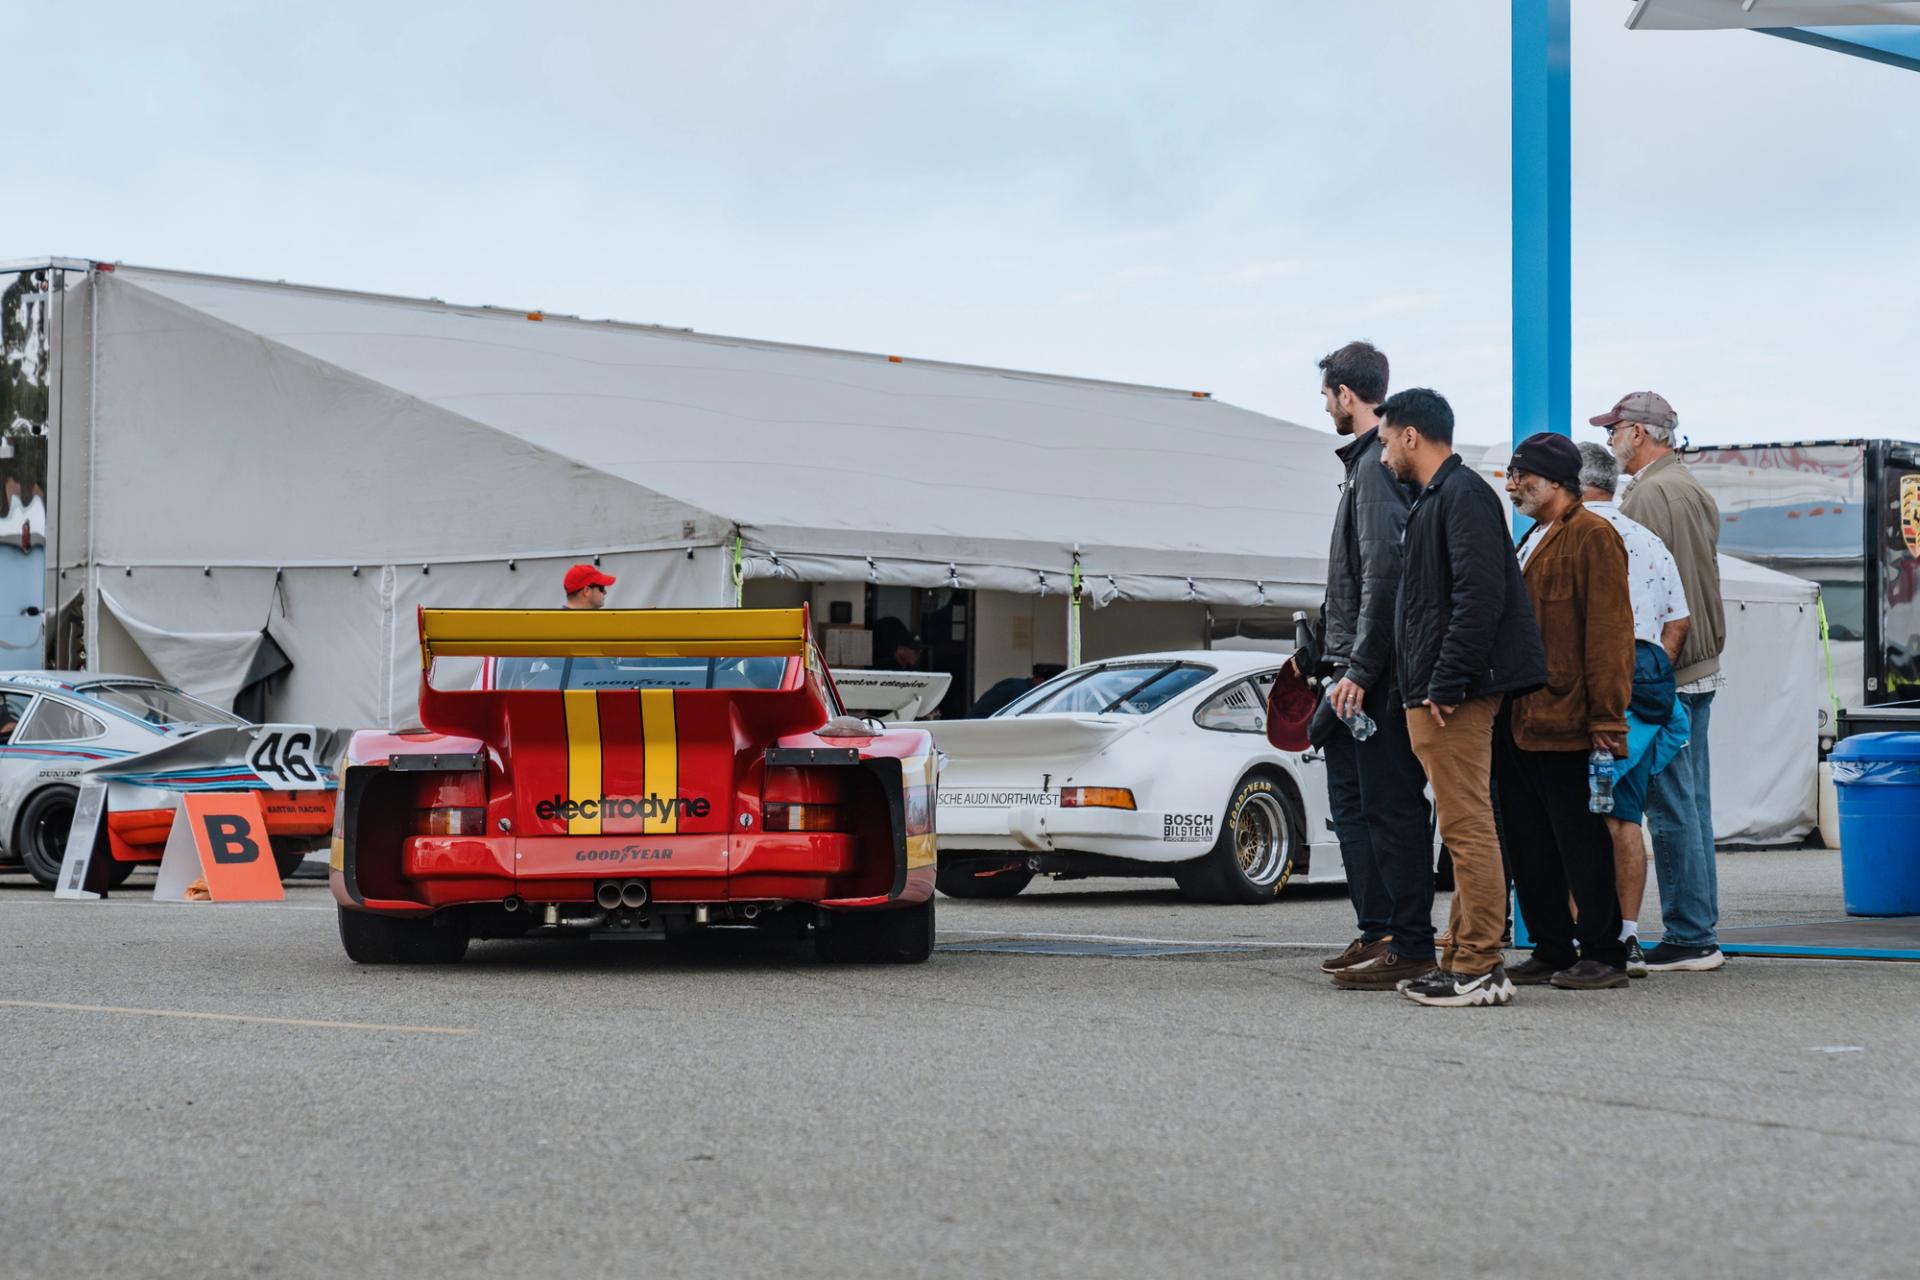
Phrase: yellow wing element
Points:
(612, 633)
(583, 755)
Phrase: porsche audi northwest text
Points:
(655, 807)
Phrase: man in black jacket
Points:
(1464, 638)
(1374, 784)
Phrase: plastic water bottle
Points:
(1600, 781)
(1362, 726)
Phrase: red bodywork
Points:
(554, 791)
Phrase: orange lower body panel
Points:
(140, 835)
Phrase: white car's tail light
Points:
(1096, 798)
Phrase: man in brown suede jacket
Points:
(1576, 573)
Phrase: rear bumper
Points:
(140, 835)
(1140, 835)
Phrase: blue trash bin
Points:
(1876, 777)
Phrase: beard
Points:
(1342, 422)
(1621, 453)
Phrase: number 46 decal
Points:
(286, 755)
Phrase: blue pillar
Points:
(1542, 196)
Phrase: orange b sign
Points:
(221, 838)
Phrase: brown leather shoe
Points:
(1359, 951)
(1530, 973)
(1590, 975)
(1383, 974)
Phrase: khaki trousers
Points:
(1459, 763)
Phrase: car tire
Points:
(378, 939)
(897, 935)
(40, 838)
(288, 853)
(1254, 855)
(983, 878)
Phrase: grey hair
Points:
(1659, 435)
(1598, 467)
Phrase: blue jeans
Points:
(1680, 815)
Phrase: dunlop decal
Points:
(583, 756)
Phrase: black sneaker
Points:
(1531, 972)
(1589, 975)
(1636, 959)
(1448, 990)
(1667, 957)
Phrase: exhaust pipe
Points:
(607, 894)
(510, 903)
(634, 893)
(751, 911)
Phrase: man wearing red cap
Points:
(586, 587)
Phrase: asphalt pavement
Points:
(1093, 1079)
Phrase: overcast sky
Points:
(1201, 195)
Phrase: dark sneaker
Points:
(1383, 974)
(1636, 959)
(1530, 973)
(1359, 951)
(1590, 975)
(1666, 957)
(1448, 990)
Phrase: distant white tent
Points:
(318, 462)
(1764, 730)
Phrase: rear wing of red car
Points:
(615, 633)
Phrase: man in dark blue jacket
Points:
(1464, 638)
(1374, 784)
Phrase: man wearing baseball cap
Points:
(586, 586)
(1666, 498)
(1575, 567)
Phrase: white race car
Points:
(1154, 765)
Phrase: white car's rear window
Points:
(1121, 688)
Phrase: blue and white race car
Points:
(149, 743)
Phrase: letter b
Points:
(229, 838)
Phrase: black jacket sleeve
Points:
(1477, 556)
(1379, 520)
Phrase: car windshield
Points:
(1133, 688)
(638, 673)
(158, 705)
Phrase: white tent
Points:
(1764, 730)
(242, 455)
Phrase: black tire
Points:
(40, 838)
(896, 935)
(377, 939)
(1253, 857)
(288, 853)
(983, 878)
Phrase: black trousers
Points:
(1376, 792)
(1555, 845)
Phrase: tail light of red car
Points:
(451, 804)
(804, 800)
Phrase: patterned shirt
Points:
(1653, 578)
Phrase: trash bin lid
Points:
(1878, 746)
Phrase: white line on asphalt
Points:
(1166, 942)
(149, 902)
(236, 1017)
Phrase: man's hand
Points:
(1440, 712)
(1608, 742)
(1346, 697)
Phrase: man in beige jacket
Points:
(1666, 498)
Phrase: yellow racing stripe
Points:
(583, 757)
(663, 759)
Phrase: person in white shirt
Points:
(1656, 721)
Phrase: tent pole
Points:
(1073, 616)
(739, 574)
(1542, 221)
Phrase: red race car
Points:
(633, 773)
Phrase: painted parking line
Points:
(144, 901)
(1244, 944)
(320, 1023)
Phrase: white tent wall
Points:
(1763, 734)
(353, 639)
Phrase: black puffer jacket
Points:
(1465, 625)
(1363, 566)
